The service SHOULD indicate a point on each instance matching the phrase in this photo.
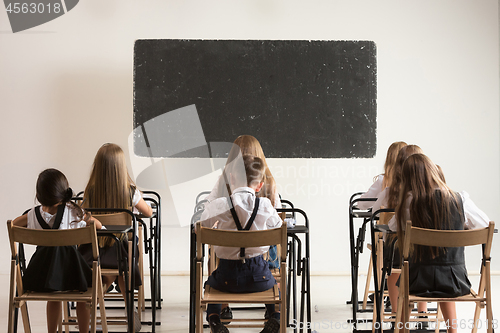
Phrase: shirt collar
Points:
(244, 189)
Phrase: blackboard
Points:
(300, 99)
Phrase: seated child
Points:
(57, 268)
(237, 273)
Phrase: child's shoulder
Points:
(217, 204)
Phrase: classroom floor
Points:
(328, 294)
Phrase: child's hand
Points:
(87, 217)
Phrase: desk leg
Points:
(292, 283)
(154, 254)
(354, 281)
(158, 262)
(307, 274)
(302, 297)
(192, 283)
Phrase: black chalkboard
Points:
(300, 99)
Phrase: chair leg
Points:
(12, 293)
(399, 312)
(199, 307)
(367, 284)
(102, 307)
(65, 316)
(480, 292)
(489, 311)
(26, 319)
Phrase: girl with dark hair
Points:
(57, 268)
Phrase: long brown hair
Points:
(432, 203)
(390, 160)
(249, 145)
(110, 185)
(394, 189)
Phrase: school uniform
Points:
(234, 274)
(215, 193)
(444, 275)
(372, 192)
(58, 268)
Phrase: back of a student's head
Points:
(52, 188)
(403, 154)
(250, 172)
(390, 160)
(109, 183)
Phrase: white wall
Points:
(66, 87)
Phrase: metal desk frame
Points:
(356, 247)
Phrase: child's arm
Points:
(140, 204)
(89, 218)
(274, 220)
(475, 218)
(143, 207)
(381, 200)
(372, 192)
(21, 221)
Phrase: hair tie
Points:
(69, 194)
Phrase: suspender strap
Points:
(254, 214)
(249, 223)
(57, 222)
(235, 216)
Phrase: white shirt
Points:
(214, 194)
(382, 198)
(70, 219)
(373, 192)
(218, 215)
(474, 217)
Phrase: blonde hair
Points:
(110, 185)
(249, 145)
(390, 160)
(394, 189)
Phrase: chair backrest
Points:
(241, 238)
(120, 218)
(448, 238)
(384, 217)
(41, 237)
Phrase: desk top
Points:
(112, 229)
(298, 229)
(362, 213)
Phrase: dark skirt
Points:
(57, 268)
(448, 280)
(234, 276)
(108, 257)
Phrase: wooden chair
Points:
(447, 238)
(239, 239)
(67, 237)
(388, 316)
